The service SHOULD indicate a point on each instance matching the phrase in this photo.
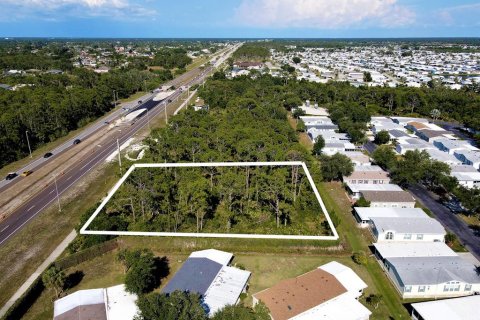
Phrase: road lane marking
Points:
(5, 228)
(31, 208)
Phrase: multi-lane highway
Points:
(79, 167)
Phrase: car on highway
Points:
(169, 100)
(77, 141)
(26, 173)
(47, 155)
(140, 101)
(106, 122)
(11, 176)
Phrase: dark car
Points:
(169, 100)
(140, 101)
(11, 175)
(47, 155)
(77, 141)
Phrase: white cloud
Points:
(462, 15)
(62, 9)
(323, 14)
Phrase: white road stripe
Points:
(31, 208)
(5, 228)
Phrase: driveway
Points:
(448, 219)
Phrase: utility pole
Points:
(28, 142)
(58, 196)
(119, 156)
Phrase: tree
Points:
(141, 276)
(318, 146)
(296, 60)
(301, 126)
(382, 137)
(178, 305)
(360, 258)
(362, 202)
(450, 238)
(240, 312)
(367, 76)
(336, 166)
(384, 157)
(298, 112)
(54, 278)
(374, 300)
(435, 113)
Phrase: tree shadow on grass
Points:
(163, 269)
(73, 279)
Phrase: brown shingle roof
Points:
(85, 312)
(368, 175)
(417, 125)
(388, 196)
(291, 297)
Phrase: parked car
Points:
(26, 173)
(77, 141)
(47, 155)
(11, 176)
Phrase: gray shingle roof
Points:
(434, 270)
(195, 275)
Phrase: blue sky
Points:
(239, 18)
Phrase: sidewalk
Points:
(51, 258)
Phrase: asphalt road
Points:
(38, 202)
(448, 219)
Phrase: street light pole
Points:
(28, 142)
(58, 196)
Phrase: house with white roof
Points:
(387, 250)
(467, 179)
(355, 189)
(469, 157)
(433, 277)
(444, 157)
(208, 273)
(407, 229)
(338, 147)
(450, 146)
(100, 304)
(329, 292)
(363, 215)
(463, 308)
(412, 144)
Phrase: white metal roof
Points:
(218, 256)
(466, 176)
(79, 298)
(225, 289)
(356, 187)
(465, 308)
(345, 276)
(120, 304)
(343, 307)
(414, 249)
(408, 225)
(366, 213)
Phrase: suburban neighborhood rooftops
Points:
(226, 288)
(345, 275)
(408, 225)
(195, 275)
(369, 168)
(218, 256)
(294, 296)
(102, 304)
(441, 156)
(368, 175)
(463, 168)
(434, 270)
(398, 134)
(464, 308)
(413, 249)
(388, 196)
(359, 187)
(343, 307)
(82, 305)
(367, 213)
(466, 176)
(454, 144)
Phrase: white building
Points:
(356, 189)
(363, 215)
(464, 308)
(407, 229)
(100, 304)
(328, 292)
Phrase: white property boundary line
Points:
(210, 235)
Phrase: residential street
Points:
(448, 219)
